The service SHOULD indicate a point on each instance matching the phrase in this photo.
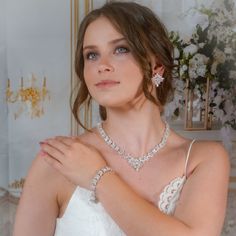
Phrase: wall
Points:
(38, 41)
(34, 38)
(4, 167)
(3, 108)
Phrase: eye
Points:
(91, 56)
(121, 49)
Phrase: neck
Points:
(137, 129)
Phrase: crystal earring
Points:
(157, 79)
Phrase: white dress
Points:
(83, 218)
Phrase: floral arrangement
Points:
(209, 53)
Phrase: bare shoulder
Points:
(41, 188)
(41, 173)
(91, 138)
(204, 195)
(211, 152)
(43, 181)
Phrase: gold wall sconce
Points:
(30, 98)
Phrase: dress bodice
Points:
(85, 218)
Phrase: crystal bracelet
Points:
(95, 181)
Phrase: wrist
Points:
(100, 174)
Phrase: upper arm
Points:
(203, 200)
(38, 209)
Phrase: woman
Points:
(151, 180)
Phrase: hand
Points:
(72, 158)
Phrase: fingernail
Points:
(43, 142)
(42, 153)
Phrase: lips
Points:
(107, 82)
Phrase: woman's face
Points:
(107, 57)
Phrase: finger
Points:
(52, 151)
(66, 140)
(69, 140)
(52, 162)
(58, 144)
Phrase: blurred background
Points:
(37, 41)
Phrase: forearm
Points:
(135, 215)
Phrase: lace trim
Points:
(170, 195)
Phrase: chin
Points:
(108, 104)
(111, 102)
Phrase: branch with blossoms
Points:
(210, 53)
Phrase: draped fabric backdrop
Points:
(38, 37)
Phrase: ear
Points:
(157, 68)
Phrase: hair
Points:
(145, 34)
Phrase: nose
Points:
(105, 66)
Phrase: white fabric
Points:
(83, 218)
(171, 193)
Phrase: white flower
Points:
(219, 56)
(192, 74)
(217, 100)
(221, 32)
(219, 114)
(176, 52)
(178, 84)
(201, 45)
(175, 103)
(176, 62)
(201, 70)
(228, 50)
(234, 28)
(191, 49)
(186, 39)
(221, 92)
(229, 107)
(220, 17)
(169, 109)
(181, 72)
(214, 85)
(214, 67)
(184, 67)
(197, 66)
(232, 74)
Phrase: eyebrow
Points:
(114, 41)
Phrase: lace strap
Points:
(187, 158)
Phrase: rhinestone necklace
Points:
(135, 162)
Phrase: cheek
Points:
(132, 73)
(131, 80)
(131, 66)
(88, 71)
(89, 75)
